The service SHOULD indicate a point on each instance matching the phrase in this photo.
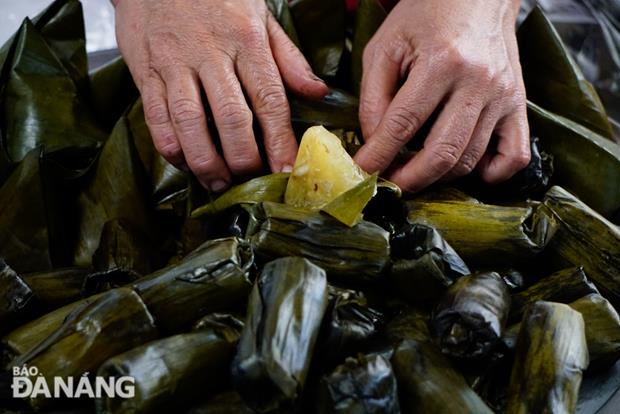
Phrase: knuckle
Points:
(186, 113)
(203, 164)
(234, 115)
(170, 150)
(521, 159)
(446, 155)
(243, 163)
(402, 125)
(454, 59)
(156, 114)
(271, 98)
(252, 33)
(466, 164)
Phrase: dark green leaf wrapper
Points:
(550, 357)
(172, 372)
(602, 326)
(92, 332)
(285, 311)
(564, 286)
(352, 255)
(469, 320)
(584, 238)
(483, 234)
(212, 278)
(15, 295)
(427, 382)
(365, 384)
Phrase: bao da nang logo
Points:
(29, 382)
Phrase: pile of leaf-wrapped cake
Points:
(322, 290)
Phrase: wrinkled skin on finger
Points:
(458, 60)
(235, 53)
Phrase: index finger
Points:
(412, 106)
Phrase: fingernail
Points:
(287, 168)
(218, 186)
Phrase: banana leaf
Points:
(226, 324)
(32, 226)
(122, 322)
(282, 13)
(285, 311)
(29, 335)
(266, 188)
(469, 320)
(170, 373)
(229, 402)
(322, 48)
(42, 104)
(365, 384)
(552, 78)
(484, 234)
(564, 286)
(423, 259)
(427, 382)
(409, 323)
(353, 255)
(530, 182)
(584, 238)
(338, 110)
(368, 18)
(347, 207)
(166, 180)
(585, 163)
(115, 190)
(550, 357)
(212, 278)
(112, 91)
(602, 328)
(60, 287)
(15, 296)
(349, 324)
(122, 247)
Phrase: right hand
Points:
(177, 48)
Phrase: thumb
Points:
(295, 70)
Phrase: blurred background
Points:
(99, 16)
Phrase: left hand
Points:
(461, 59)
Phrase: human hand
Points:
(175, 49)
(456, 57)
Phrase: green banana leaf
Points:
(166, 179)
(266, 188)
(115, 190)
(35, 231)
(584, 162)
(584, 238)
(369, 17)
(365, 384)
(285, 311)
(550, 357)
(353, 255)
(469, 320)
(42, 104)
(122, 246)
(212, 278)
(123, 322)
(563, 286)
(338, 110)
(112, 91)
(347, 207)
(281, 11)
(170, 373)
(552, 78)
(15, 297)
(321, 28)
